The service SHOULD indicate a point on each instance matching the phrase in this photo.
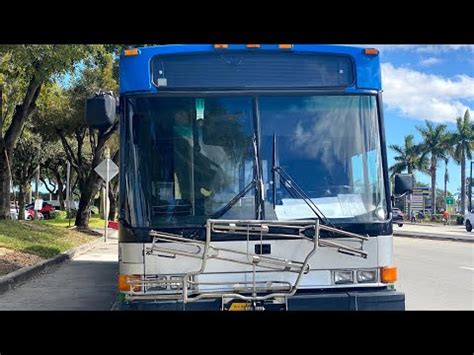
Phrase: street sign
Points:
(107, 169)
(449, 200)
(38, 204)
(101, 169)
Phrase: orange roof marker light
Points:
(221, 46)
(285, 46)
(131, 51)
(253, 46)
(371, 51)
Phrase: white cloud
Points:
(426, 96)
(427, 49)
(430, 61)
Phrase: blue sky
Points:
(435, 83)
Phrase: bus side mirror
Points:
(403, 184)
(101, 110)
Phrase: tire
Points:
(29, 218)
(468, 226)
(45, 215)
(400, 224)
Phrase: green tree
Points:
(62, 116)
(24, 166)
(24, 70)
(446, 177)
(435, 143)
(409, 158)
(54, 171)
(462, 141)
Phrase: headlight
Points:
(343, 277)
(366, 276)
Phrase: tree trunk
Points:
(113, 203)
(445, 182)
(433, 188)
(21, 202)
(463, 182)
(5, 179)
(8, 142)
(62, 203)
(88, 191)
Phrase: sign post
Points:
(107, 170)
(68, 172)
(106, 199)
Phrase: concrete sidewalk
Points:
(87, 282)
(434, 231)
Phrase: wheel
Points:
(468, 226)
(29, 218)
(400, 224)
(45, 215)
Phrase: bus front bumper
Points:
(373, 300)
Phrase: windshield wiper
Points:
(256, 183)
(293, 188)
(259, 187)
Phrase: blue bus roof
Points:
(135, 70)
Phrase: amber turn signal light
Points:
(388, 274)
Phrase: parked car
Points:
(30, 214)
(397, 216)
(45, 210)
(54, 203)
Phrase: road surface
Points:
(88, 282)
(435, 275)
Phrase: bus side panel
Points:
(385, 250)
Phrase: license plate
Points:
(240, 306)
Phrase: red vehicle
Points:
(45, 211)
(30, 214)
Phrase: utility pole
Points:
(37, 190)
(470, 189)
(106, 199)
(68, 193)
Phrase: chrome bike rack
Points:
(185, 288)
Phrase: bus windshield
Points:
(191, 158)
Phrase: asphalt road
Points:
(435, 275)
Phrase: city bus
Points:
(252, 177)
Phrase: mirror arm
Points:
(403, 194)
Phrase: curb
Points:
(432, 237)
(10, 280)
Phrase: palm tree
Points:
(409, 157)
(435, 143)
(462, 143)
(449, 151)
(446, 177)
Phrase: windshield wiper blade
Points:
(289, 184)
(233, 201)
(259, 186)
(292, 186)
(218, 214)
